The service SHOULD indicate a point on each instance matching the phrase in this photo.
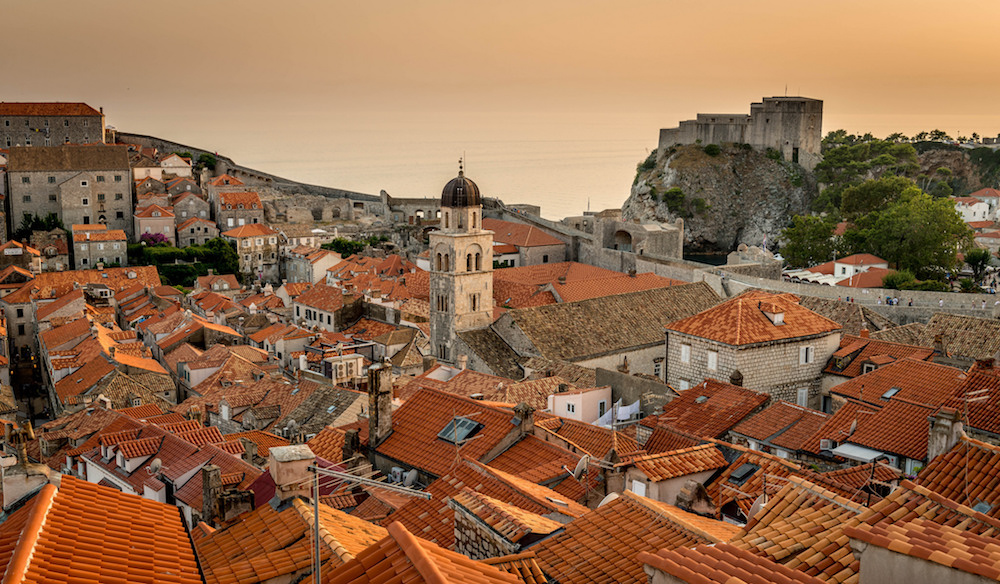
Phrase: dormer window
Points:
(868, 368)
(156, 213)
(459, 430)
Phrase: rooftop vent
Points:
(743, 473)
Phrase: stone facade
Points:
(238, 208)
(790, 125)
(80, 184)
(476, 539)
(775, 368)
(155, 219)
(54, 246)
(461, 278)
(93, 248)
(191, 205)
(49, 124)
(257, 246)
(196, 231)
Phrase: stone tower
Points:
(461, 279)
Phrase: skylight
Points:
(743, 473)
(892, 391)
(459, 430)
(983, 507)
(701, 399)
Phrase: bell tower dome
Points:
(461, 278)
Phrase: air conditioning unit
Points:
(825, 444)
(396, 475)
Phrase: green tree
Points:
(917, 233)
(978, 260)
(896, 137)
(939, 136)
(898, 280)
(967, 285)
(808, 241)
(206, 160)
(873, 195)
(713, 150)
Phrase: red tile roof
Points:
(741, 321)
(855, 351)
(249, 200)
(225, 180)
(322, 297)
(782, 424)
(519, 234)
(967, 474)
(708, 409)
(89, 533)
(677, 463)
(150, 212)
(602, 545)
(250, 230)
(921, 382)
(594, 440)
(861, 258)
(723, 564)
(870, 278)
(619, 284)
(51, 108)
(142, 412)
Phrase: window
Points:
(120, 215)
(100, 196)
(84, 183)
(685, 353)
(86, 220)
(100, 178)
(246, 243)
(459, 429)
(260, 241)
(86, 201)
(27, 198)
(118, 178)
(712, 360)
(683, 384)
(571, 407)
(100, 246)
(743, 473)
(52, 180)
(20, 329)
(84, 261)
(657, 369)
(602, 407)
(867, 368)
(46, 123)
(66, 140)
(26, 180)
(639, 488)
(545, 259)
(806, 355)
(52, 198)
(20, 313)
(27, 140)
(118, 196)
(65, 123)
(229, 222)
(802, 396)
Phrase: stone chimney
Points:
(946, 429)
(289, 468)
(379, 404)
(939, 344)
(249, 450)
(736, 378)
(352, 444)
(694, 498)
(211, 488)
(429, 362)
(463, 361)
(525, 415)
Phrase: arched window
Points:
(468, 263)
(439, 262)
(446, 262)
(459, 220)
(473, 219)
(446, 220)
(479, 262)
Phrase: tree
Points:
(31, 223)
(939, 136)
(206, 160)
(896, 137)
(873, 195)
(922, 136)
(978, 260)
(898, 280)
(916, 232)
(808, 241)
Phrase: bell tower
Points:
(461, 279)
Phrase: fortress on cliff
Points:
(790, 125)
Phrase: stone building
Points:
(155, 219)
(49, 124)
(763, 341)
(99, 246)
(309, 264)
(257, 246)
(790, 125)
(182, 184)
(196, 231)
(239, 208)
(190, 205)
(54, 246)
(461, 278)
(14, 253)
(534, 246)
(80, 184)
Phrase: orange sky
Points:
(912, 57)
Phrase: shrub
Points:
(713, 150)
(774, 154)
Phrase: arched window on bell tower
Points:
(468, 263)
(479, 262)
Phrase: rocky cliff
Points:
(736, 196)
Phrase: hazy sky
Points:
(198, 71)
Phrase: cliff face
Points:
(737, 196)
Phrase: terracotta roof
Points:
(522, 565)
(967, 474)
(782, 424)
(852, 316)
(861, 258)
(56, 284)
(666, 438)
(250, 230)
(149, 212)
(830, 557)
(941, 544)
(724, 564)
(611, 324)
(44, 310)
(602, 545)
(46, 108)
(542, 462)
(708, 409)
(83, 378)
(966, 337)
(899, 428)
(401, 557)
(619, 284)
(246, 198)
(265, 441)
(594, 440)
(225, 180)
(861, 476)
(142, 412)
(193, 220)
(574, 374)
(870, 278)
(265, 544)
(322, 297)
(742, 321)
(979, 400)
(518, 234)
(510, 521)
(855, 351)
(677, 463)
(917, 381)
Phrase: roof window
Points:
(743, 473)
(459, 430)
(701, 399)
(983, 507)
(892, 391)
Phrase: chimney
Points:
(562, 388)
(249, 450)
(463, 361)
(211, 271)
(429, 362)
(736, 378)
(379, 404)
(289, 467)
(864, 334)
(562, 279)
(525, 416)
(352, 444)
(939, 345)
(631, 273)
(211, 488)
(946, 429)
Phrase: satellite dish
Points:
(581, 467)
(155, 466)
(854, 427)
(758, 504)
(410, 478)
(607, 499)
